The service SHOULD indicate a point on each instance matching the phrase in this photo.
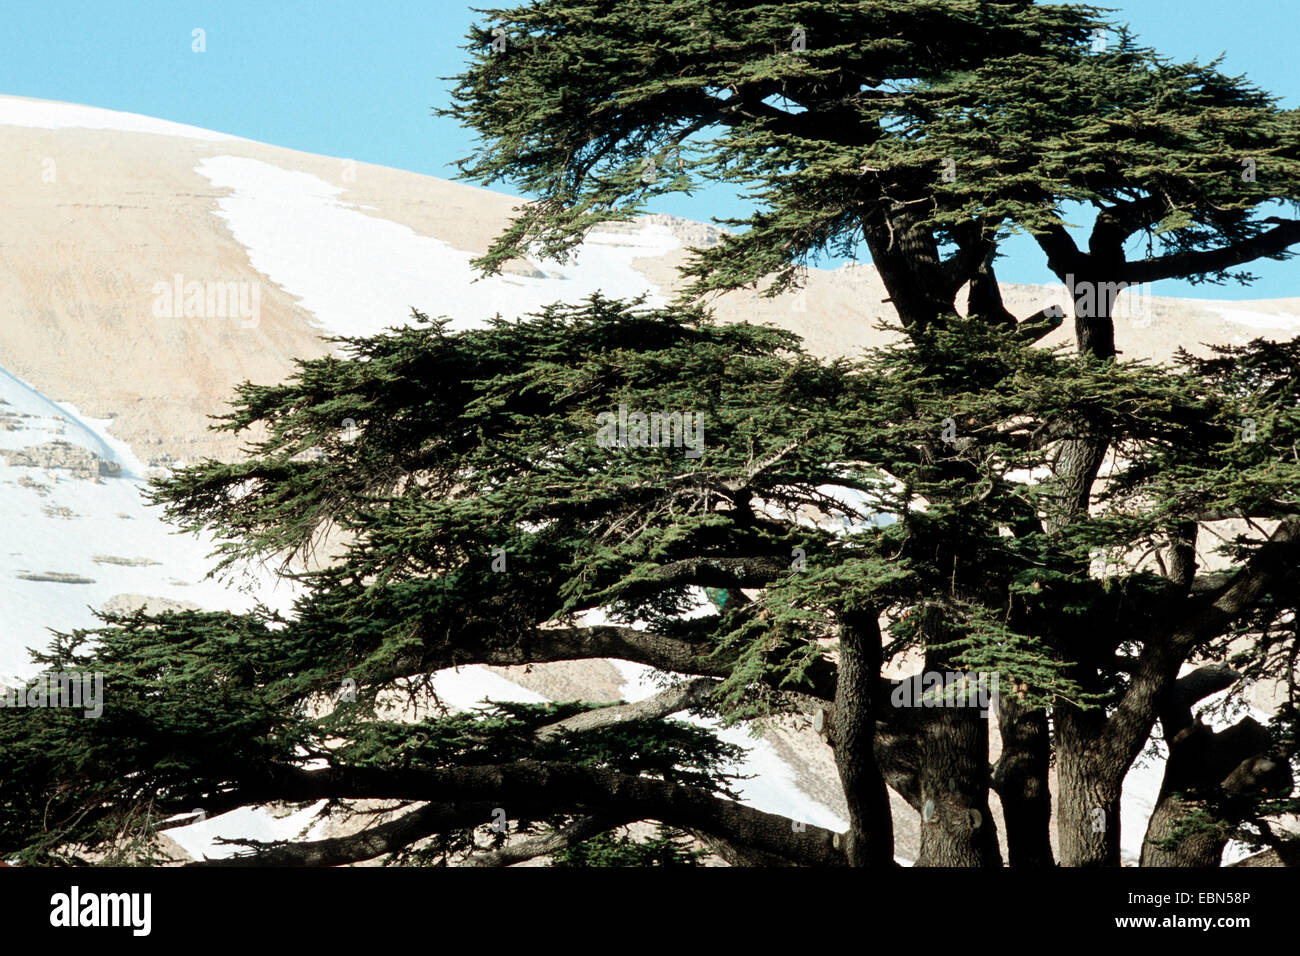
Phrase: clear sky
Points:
(359, 79)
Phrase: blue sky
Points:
(359, 79)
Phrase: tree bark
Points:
(1088, 825)
(957, 826)
(907, 259)
(1210, 777)
(870, 838)
(1020, 779)
(954, 790)
(1088, 822)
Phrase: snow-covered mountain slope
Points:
(104, 208)
(116, 220)
(77, 533)
(44, 114)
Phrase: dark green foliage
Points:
(470, 513)
(922, 127)
(587, 94)
(667, 847)
(480, 439)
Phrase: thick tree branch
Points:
(1040, 324)
(737, 572)
(1192, 688)
(547, 644)
(1286, 233)
(531, 847)
(1128, 727)
(338, 851)
(466, 797)
(1117, 222)
(1215, 611)
(1063, 255)
(670, 701)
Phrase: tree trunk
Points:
(870, 838)
(1088, 799)
(1201, 845)
(1207, 788)
(897, 753)
(1088, 822)
(907, 259)
(957, 826)
(1020, 778)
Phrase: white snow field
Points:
(772, 787)
(72, 543)
(44, 114)
(358, 273)
(1252, 319)
(201, 840)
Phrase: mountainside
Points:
(147, 267)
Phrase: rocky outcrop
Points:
(10, 420)
(56, 577)
(82, 462)
(130, 603)
(522, 267)
(125, 562)
(698, 235)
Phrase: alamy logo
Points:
(656, 430)
(74, 908)
(208, 300)
(75, 690)
(950, 689)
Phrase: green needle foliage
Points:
(960, 498)
(471, 442)
(665, 848)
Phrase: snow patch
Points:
(55, 522)
(1256, 320)
(41, 114)
(467, 688)
(199, 840)
(773, 787)
(40, 420)
(360, 274)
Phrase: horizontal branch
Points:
(469, 796)
(1270, 510)
(670, 701)
(738, 572)
(1040, 324)
(541, 645)
(370, 843)
(545, 844)
(1286, 233)
(1190, 689)
(1214, 612)
(547, 644)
